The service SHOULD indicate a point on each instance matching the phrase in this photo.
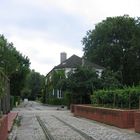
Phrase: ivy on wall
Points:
(53, 81)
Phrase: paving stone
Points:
(31, 130)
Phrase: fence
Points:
(4, 93)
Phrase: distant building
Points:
(68, 65)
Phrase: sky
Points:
(42, 29)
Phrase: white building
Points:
(68, 65)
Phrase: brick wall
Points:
(137, 122)
(4, 127)
(72, 108)
(116, 117)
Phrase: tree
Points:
(56, 77)
(81, 84)
(14, 65)
(110, 79)
(54, 83)
(115, 43)
(8, 61)
(34, 85)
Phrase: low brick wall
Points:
(72, 108)
(11, 117)
(116, 117)
(137, 122)
(4, 127)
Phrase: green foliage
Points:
(1, 88)
(25, 93)
(81, 84)
(54, 81)
(118, 98)
(14, 65)
(56, 101)
(110, 79)
(17, 121)
(67, 99)
(12, 102)
(42, 99)
(4, 82)
(83, 80)
(115, 43)
(16, 100)
(34, 85)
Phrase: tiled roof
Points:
(75, 61)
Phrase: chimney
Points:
(63, 57)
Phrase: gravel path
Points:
(94, 129)
(63, 126)
(60, 131)
(98, 131)
(30, 128)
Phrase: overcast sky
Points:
(41, 29)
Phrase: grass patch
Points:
(17, 121)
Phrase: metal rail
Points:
(45, 130)
(86, 136)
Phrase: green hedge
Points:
(16, 99)
(119, 98)
(56, 101)
(13, 100)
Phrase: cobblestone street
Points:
(61, 125)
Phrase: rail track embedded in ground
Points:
(45, 130)
(86, 136)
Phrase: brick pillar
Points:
(72, 108)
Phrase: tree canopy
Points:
(81, 84)
(34, 85)
(115, 43)
(110, 79)
(14, 65)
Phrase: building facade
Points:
(62, 70)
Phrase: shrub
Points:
(67, 99)
(11, 102)
(129, 97)
(16, 99)
(56, 101)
